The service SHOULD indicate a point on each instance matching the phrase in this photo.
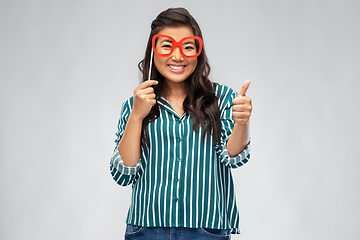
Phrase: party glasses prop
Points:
(164, 46)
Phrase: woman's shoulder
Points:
(224, 93)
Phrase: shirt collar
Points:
(163, 103)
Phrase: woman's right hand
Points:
(144, 99)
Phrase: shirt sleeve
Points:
(122, 174)
(226, 96)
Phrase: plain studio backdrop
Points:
(67, 66)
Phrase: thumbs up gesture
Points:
(242, 106)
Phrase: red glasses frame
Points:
(177, 44)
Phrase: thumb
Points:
(244, 87)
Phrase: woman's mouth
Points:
(177, 68)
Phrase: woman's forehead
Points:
(177, 32)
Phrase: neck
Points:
(175, 90)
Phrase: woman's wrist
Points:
(135, 118)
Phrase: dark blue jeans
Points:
(174, 233)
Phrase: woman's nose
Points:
(176, 55)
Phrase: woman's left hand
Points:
(242, 105)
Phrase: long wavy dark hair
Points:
(200, 102)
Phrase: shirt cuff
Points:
(118, 164)
(237, 161)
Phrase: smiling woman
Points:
(174, 66)
(178, 138)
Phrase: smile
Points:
(175, 67)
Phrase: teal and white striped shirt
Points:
(182, 180)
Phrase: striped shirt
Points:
(182, 179)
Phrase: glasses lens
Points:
(189, 46)
(163, 45)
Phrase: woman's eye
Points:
(189, 47)
(166, 46)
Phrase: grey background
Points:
(67, 66)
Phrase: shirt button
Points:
(176, 199)
(176, 179)
(179, 159)
(179, 139)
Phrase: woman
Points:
(178, 138)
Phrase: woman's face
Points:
(175, 68)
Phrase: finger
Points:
(147, 84)
(241, 114)
(241, 120)
(150, 96)
(244, 88)
(152, 101)
(148, 90)
(241, 100)
(239, 108)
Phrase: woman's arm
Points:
(238, 139)
(130, 145)
(242, 108)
